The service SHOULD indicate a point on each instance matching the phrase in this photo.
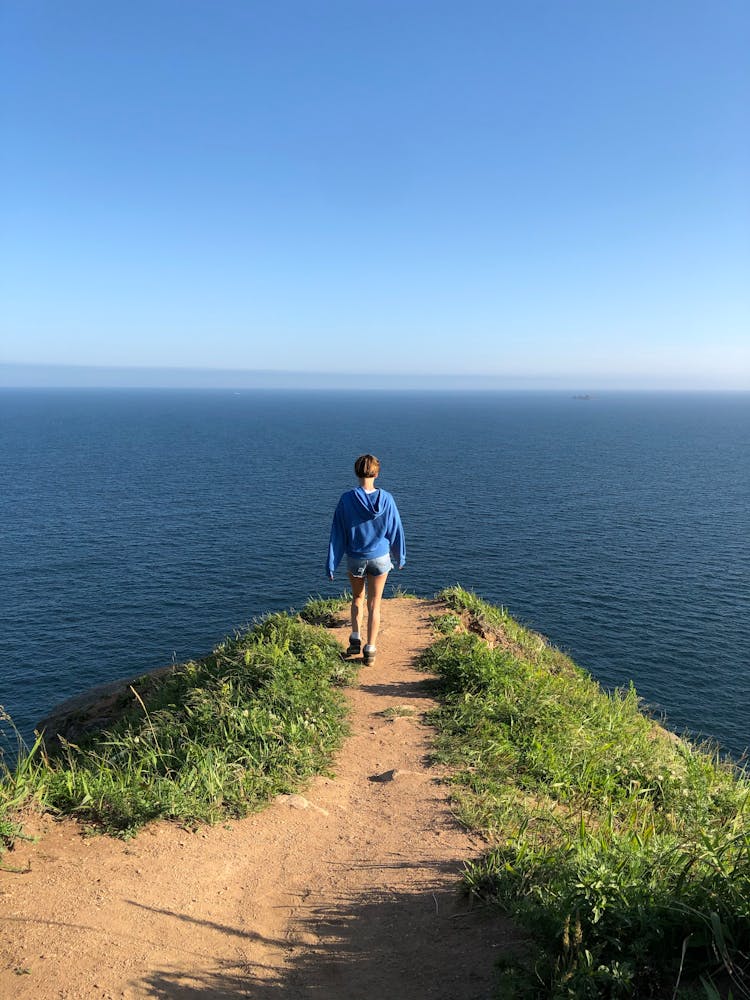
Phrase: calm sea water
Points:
(140, 527)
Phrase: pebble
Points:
(300, 802)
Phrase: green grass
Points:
(398, 712)
(624, 851)
(214, 739)
(327, 611)
(448, 623)
(14, 784)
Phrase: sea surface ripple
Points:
(141, 526)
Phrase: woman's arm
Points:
(337, 541)
(396, 537)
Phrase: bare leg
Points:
(375, 587)
(358, 600)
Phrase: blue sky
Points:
(553, 190)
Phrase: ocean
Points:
(139, 527)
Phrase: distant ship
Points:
(583, 395)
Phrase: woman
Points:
(367, 529)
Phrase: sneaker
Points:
(369, 655)
(355, 647)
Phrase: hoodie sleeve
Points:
(396, 536)
(337, 541)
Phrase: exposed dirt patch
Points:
(346, 891)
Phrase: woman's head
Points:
(366, 467)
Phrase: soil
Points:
(348, 890)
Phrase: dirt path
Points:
(347, 893)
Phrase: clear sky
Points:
(538, 189)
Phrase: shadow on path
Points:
(208, 924)
(426, 688)
(378, 945)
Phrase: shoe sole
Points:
(368, 660)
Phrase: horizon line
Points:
(15, 374)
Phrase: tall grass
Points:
(327, 611)
(623, 850)
(17, 782)
(215, 737)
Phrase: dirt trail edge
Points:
(347, 891)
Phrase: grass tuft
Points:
(398, 712)
(448, 623)
(326, 611)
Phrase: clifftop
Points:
(478, 753)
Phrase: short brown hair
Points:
(366, 467)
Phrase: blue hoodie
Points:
(366, 525)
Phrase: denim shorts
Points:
(362, 566)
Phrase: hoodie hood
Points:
(368, 503)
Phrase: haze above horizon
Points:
(540, 194)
